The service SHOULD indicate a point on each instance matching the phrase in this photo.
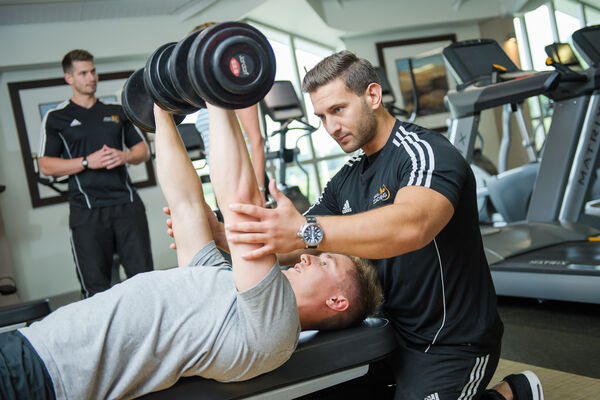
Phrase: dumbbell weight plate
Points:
(155, 77)
(231, 65)
(138, 104)
(164, 79)
(178, 71)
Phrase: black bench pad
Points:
(317, 354)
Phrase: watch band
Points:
(84, 162)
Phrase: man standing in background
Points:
(84, 138)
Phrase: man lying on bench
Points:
(228, 323)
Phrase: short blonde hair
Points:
(364, 292)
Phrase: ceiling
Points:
(349, 16)
(44, 11)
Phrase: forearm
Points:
(258, 162)
(381, 233)
(182, 190)
(233, 180)
(249, 119)
(217, 228)
(176, 174)
(55, 166)
(139, 153)
(230, 175)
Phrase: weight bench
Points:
(321, 360)
(19, 315)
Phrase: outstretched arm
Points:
(415, 218)
(182, 189)
(233, 181)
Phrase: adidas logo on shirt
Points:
(432, 397)
(347, 209)
(75, 122)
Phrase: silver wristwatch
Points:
(311, 233)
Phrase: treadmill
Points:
(544, 256)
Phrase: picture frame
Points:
(30, 101)
(424, 56)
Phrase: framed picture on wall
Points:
(31, 100)
(418, 78)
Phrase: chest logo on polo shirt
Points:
(382, 195)
(75, 122)
(112, 118)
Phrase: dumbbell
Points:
(230, 65)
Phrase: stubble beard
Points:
(366, 130)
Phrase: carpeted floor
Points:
(557, 385)
(555, 335)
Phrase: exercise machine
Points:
(487, 78)
(546, 256)
(567, 175)
(282, 105)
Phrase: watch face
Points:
(312, 235)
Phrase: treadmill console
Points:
(587, 42)
(472, 62)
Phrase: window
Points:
(592, 15)
(567, 18)
(537, 21)
(538, 28)
(319, 157)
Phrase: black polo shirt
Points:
(440, 298)
(72, 131)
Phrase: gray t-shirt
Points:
(145, 333)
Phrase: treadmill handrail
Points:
(475, 99)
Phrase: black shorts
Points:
(441, 375)
(23, 374)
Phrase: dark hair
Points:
(357, 73)
(75, 55)
(364, 292)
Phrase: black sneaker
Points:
(525, 386)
